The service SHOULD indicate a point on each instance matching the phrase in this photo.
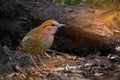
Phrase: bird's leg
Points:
(36, 66)
(47, 55)
(40, 60)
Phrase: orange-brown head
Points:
(50, 27)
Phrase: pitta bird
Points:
(40, 39)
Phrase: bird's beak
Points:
(61, 25)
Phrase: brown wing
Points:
(29, 40)
(27, 43)
(33, 44)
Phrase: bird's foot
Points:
(47, 55)
(36, 66)
(42, 63)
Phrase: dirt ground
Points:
(61, 66)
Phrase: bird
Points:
(40, 39)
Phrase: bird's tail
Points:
(19, 48)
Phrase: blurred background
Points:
(96, 3)
(111, 7)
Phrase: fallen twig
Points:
(67, 68)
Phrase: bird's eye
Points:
(52, 24)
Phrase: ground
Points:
(61, 66)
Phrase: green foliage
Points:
(94, 3)
(68, 2)
(100, 3)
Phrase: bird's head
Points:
(50, 26)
